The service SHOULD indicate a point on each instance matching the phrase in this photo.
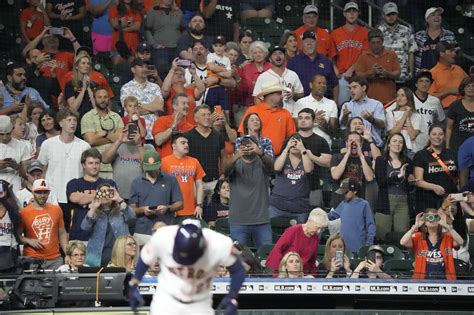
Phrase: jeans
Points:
(299, 217)
(162, 59)
(260, 234)
(344, 94)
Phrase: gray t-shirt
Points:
(249, 193)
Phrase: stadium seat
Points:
(222, 226)
(181, 219)
(355, 262)
(279, 224)
(401, 267)
(393, 238)
(391, 252)
(263, 252)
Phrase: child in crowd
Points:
(131, 106)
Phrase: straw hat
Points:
(271, 86)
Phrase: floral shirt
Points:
(426, 56)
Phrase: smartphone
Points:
(461, 197)
(184, 63)
(132, 130)
(23, 99)
(153, 207)
(339, 257)
(218, 109)
(371, 256)
(246, 140)
(56, 31)
(151, 67)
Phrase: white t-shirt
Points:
(19, 151)
(222, 61)
(325, 104)
(416, 120)
(25, 196)
(202, 74)
(187, 283)
(7, 233)
(289, 79)
(63, 161)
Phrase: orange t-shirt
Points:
(191, 101)
(96, 77)
(324, 40)
(187, 170)
(277, 124)
(347, 46)
(163, 123)
(65, 61)
(34, 21)
(42, 225)
(381, 89)
(446, 78)
(131, 38)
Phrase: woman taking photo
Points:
(433, 248)
(75, 256)
(125, 253)
(335, 262)
(291, 267)
(435, 171)
(107, 219)
(9, 220)
(47, 128)
(392, 171)
(252, 126)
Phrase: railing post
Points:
(331, 15)
(370, 15)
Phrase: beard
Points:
(19, 86)
(154, 173)
(196, 31)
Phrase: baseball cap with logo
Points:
(308, 34)
(433, 10)
(41, 185)
(390, 7)
(33, 165)
(311, 8)
(351, 5)
(348, 185)
(151, 161)
(6, 125)
(219, 40)
(143, 46)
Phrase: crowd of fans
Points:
(216, 125)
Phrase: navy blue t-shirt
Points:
(435, 268)
(78, 212)
(215, 210)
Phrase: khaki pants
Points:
(399, 216)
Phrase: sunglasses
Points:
(431, 217)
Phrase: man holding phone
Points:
(371, 266)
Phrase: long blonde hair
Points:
(282, 271)
(118, 252)
(327, 249)
(75, 73)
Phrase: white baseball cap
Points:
(390, 7)
(6, 125)
(433, 10)
(351, 5)
(41, 185)
(311, 8)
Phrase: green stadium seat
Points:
(178, 220)
(399, 267)
(222, 226)
(393, 238)
(279, 224)
(263, 252)
(391, 252)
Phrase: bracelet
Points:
(74, 41)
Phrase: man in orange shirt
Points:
(380, 67)
(42, 228)
(189, 174)
(165, 126)
(277, 124)
(310, 21)
(348, 42)
(446, 75)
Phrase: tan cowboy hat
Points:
(271, 86)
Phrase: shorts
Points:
(163, 303)
(101, 43)
(217, 96)
(258, 5)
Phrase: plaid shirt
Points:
(422, 36)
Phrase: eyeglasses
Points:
(78, 255)
(431, 218)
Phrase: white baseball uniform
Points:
(186, 289)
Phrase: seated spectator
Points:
(335, 263)
(75, 256)
(291, 266)
(394, 174)
(126, 20)
(24, 197)
(371, 266)
(252, 126)
(33, 20)
(252, 8)
(63, 13)
(302, 239)
(310, 24)
(15, 91)
(466, 161)
(291, 186)
(245, 40)
(41, 239)
(447, 76)
(10, 221)
(435, 171)
(433, 248)
(106, 220)
(195, 33)
(33, 113)
(48, 127)
(357, 222)
(289, 41)
(218, 207)
(460, 125)
(369, 148)
(125, 253)
(405, 120)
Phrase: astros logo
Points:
(151, 160)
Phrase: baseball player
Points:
(189, 256)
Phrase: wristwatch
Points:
(199, 205)
(304, 152)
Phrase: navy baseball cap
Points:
(308, 34)
(189, 243)
(143, 46)
(348, 185)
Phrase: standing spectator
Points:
(245, 40)
(309, 63)
(380, 67)
(222, 18)
(221, 125)
(148, 95)
(33, 113)
(348, 42)
(189, 174)
(42, 229)
(79, 91)
(131, 106)
(291, 187)
(466, 161)
(207, 146)
(65, 13)
(277, 124)
(10, 221)
(19, 132)
(400, 39)
(155, 196)
(357, 222)
(166, 126)
(302, 239)
(100, 127)
(435, 171)
(287, 78)
(369, 149)
(427, 40)
(82, 191)
(47, 128)
(33, 20)
(194, 34)
(218, 207)
(393, 172)
(15, 91)
(249, 185)
(126, 21)
(261, 8)
(289, 42)
(62, 156)
(447, 76)
(370, 110)
(252, 126)
(14, 155)
(310, 24)
(163, 27)
(106, 220)
(325, 122)
(101, 31)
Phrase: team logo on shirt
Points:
(42, 226)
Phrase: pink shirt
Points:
(249, 76)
